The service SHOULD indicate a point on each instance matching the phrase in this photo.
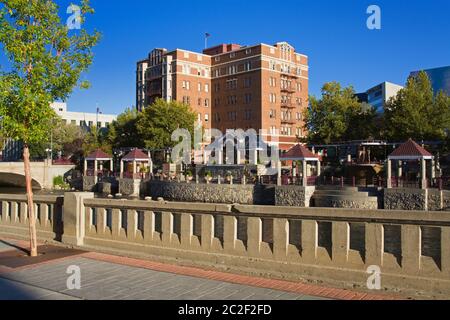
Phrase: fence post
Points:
(342, 181)
(74, 217)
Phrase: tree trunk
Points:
(31, 216)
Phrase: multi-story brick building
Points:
(232, 87)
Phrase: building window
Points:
(248, 51)
(232, 69)
(248, 114)
(273, 114)
(206, 117)
(206, 103)
(216, 117)
(199, 87)
(217, 59)
(299, 87)
(272, 98)
(217, 87)
(247, 82)
(199, 117)
(233, 54)
(206, 87)
(199, 102)
(248, 98)
(232, 115)
(248, 66)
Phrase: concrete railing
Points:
(14, 216)
(411, 248)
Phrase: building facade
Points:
(379, 95)
(232, 87)
(439, 77)
(83, 119)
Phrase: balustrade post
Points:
(411, 248)
(207, 231)
(167, 227)
(280, 238)
(254, 235)
(374, 244)
(187, 221)
(229, 232)
(131, 224)
(340, 235)
(115, 225)
(23, 212)
(309, 240)
(149, 225)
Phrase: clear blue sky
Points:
(415, 35)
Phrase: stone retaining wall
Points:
(416, 199)
(230, 194)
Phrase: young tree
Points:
(46, 62)
(159, 120)
(123, 132)
(417, 113)
(337, 116)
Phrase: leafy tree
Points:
(159, 120)
(46, 63)
(338, 116)
(96, 139)
(123, 132)
(417, 113)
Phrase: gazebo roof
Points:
(410, 150)
(136, 155)
(300, 152)
(98, 155)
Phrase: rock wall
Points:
(89, 184)
(230, 194)
(293, 196)
(404, 199)
(336, 202)
(416, 199)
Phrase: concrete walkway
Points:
(116, 278)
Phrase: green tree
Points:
(123, 132)
(46, 62)
(417, 113)
(159, 120)
(338, 116)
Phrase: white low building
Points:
(83, 119)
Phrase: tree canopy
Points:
(417, 112)
(159, 120)
(123, 132)
(338, 116)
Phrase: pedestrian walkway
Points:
(117, 278)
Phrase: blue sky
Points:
(414, 35)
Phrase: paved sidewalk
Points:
(117, 278)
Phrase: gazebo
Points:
(138, 158)
(98, 157)
(300, 153)
(410, 151)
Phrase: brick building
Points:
(232, 87)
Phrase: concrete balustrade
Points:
(48, 213)
(289, 242)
